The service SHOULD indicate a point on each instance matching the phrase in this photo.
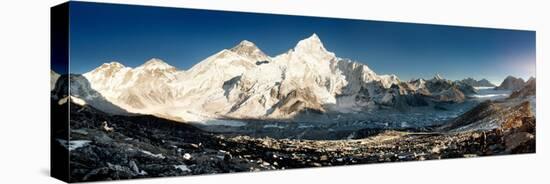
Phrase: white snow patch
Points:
(74, 144)
(78, 101)
(273, 126)
(62, 101)
(305, 126)
(187, 156)
(490, 95)
(182, 167)
(160, 156)
(479, 88)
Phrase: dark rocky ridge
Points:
(477, 83)
(511, 83)
(81, 88)
(530, 89)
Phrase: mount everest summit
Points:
(244, 82)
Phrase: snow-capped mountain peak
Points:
(111, 66)
(310, 44)
(438, 77)
(114, 64)
(246, 43)
(227, 57)
(310, 50)
(107, 70)
(154, 64)
(249, 50)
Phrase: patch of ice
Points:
(153, 155)
(221, 122)
(182, 167)
(305, 126)
(481, 88)
(74, 144)
(273, 126)
(490, 95)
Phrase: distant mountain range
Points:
(513, 83)
(244, 82)
(478, 83)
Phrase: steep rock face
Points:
(466, 89)
(448, 91)
(513, 122)
(511, 83)
(136, 89)
(81, 92)
(491, 115)
(438, 84)
(208, 84)
(304, 77)
(251, 51)
(331, 84)
(530, 89)
(297, 101)
(365, 89)
(310, 64)
(477, 83)
(453, 94)
(53, 79)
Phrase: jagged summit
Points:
(438, 77)
(155, 63)
(107, 69)
(314, 38)
(511, 83)
(310, 44)
(246, 43)
(476, 83)
(249, 50)
(114, 64)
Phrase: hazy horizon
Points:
(131, 35)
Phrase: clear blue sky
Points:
(182, 37)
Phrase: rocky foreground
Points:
(106, 147)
